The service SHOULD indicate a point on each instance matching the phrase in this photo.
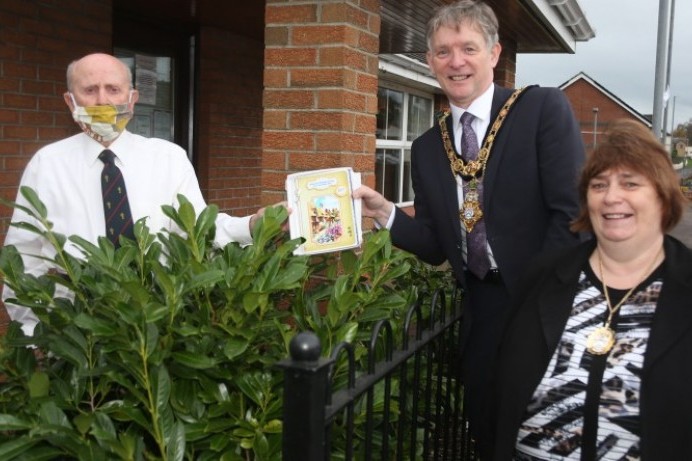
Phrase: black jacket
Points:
(530, 193)
(537, 325)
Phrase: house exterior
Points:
(252, 90)
(595, 107)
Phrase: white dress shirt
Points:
(480, 108)
(66, 175)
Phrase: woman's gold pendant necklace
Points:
(602, 339)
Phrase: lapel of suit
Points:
(557, 294)
(500, 96)
(673, 316)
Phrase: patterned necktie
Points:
(116, 207)
(476, 240)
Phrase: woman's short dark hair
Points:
(630, 144)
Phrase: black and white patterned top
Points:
(586, 402)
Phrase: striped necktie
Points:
(116, 207)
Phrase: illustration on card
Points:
(324, 211)
(325, 219)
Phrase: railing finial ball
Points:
(305, 347)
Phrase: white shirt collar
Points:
(119, 147)
(480, 107)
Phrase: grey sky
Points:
(622, 56)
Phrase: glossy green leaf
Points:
(194, 360)
(275, 426)
(39, 384)
(69, 352)
(12, 448)
(254, 386)
(235, 347)
(13, 423)
(162, 388)
(187, 215)
(11, 264)
(32, 197)
(51, 414)
(206, 279)
(176, 443)
(347, 332)
(82, 422)
(206, 220)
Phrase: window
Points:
(402, 116)
(153, 78)
(161, 59)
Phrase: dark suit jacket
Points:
(529, 185)
(537, 325)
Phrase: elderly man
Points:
(99, 182)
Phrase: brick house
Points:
(595, 107)
(253, 90)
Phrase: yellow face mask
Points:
(102, 123)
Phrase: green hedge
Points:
(166, 348)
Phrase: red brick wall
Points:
(506, 69)
(37, 41)
(584, 97)
(320, 95)
(229, 127)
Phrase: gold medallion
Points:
(471, 212)
(600, 341)
(473, 170)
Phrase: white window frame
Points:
(402, 145)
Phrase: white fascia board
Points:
(407, 69)
(552, 18)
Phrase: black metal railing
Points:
(406, 404)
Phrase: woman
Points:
(597, 360)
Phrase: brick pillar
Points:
(320, 96)
(505, 71)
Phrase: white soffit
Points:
(566, 18)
